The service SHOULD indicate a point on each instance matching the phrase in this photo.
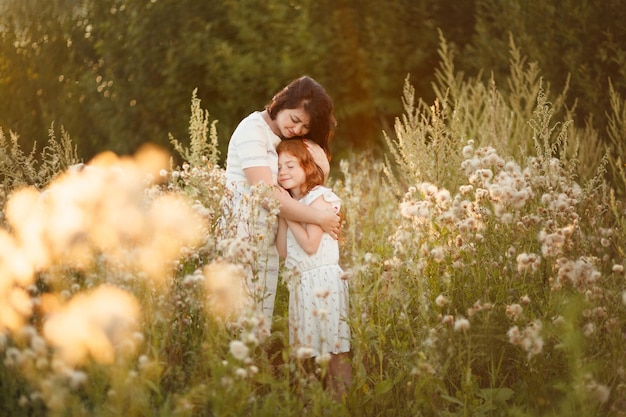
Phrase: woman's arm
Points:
(319, 156)
(290, 209)
(281, 237)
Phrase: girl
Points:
(301, 108)
(318, 296)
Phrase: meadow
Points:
(485, 255)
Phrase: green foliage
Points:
(616, 129)
(488, 281)
(18, 169)
(117, 73)
(203, 141)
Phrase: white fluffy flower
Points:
(239, 350)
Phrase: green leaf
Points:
(383, 387)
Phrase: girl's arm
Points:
(281, 237)
(290, 209)
(310, 235)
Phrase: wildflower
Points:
(461, 325)
(589, 329)
(322, 359)
(477, 307)
(484, 174)
(143, 361)
(511, 251)
(441, 300)
(513, 311)
(41, 363)
(507, 218)
(581, 274)
(443, 196)
(481, 193)
(38, 344)
(225, 287)
(525, 299)
(93, 324)
(239, 350)
(618, 269)
(526, 261)
(77, 379)
(528, 339)
(551, 243)
(430, 190)
(241, 373)
(13, 356)
(251, 339)
(465, 189)
(468, 150)
(304, 352)
(600, 391)
(226, 382)
(438, 254)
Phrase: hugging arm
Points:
(292, 210)
(319, 156)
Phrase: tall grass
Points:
(485, 260)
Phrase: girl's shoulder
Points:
(325, 192)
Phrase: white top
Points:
(253, 144)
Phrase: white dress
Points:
(318, 296)
(253, 144)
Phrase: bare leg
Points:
(339, 377)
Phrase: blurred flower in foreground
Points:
(226, 289)
(101, 210)
(93, 324)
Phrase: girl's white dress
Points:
(318, 296)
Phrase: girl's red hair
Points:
(313, 173)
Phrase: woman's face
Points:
(290, 123)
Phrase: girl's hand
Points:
(319, 156)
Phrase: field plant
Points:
(485, 258)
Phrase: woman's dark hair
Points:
(306, 93)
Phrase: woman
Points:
(302, 108)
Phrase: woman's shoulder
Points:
(252, 126)
(253, 119)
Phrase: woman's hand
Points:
(319, 156)
(330, 222)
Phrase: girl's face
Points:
(291, 175)
(290, 123)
